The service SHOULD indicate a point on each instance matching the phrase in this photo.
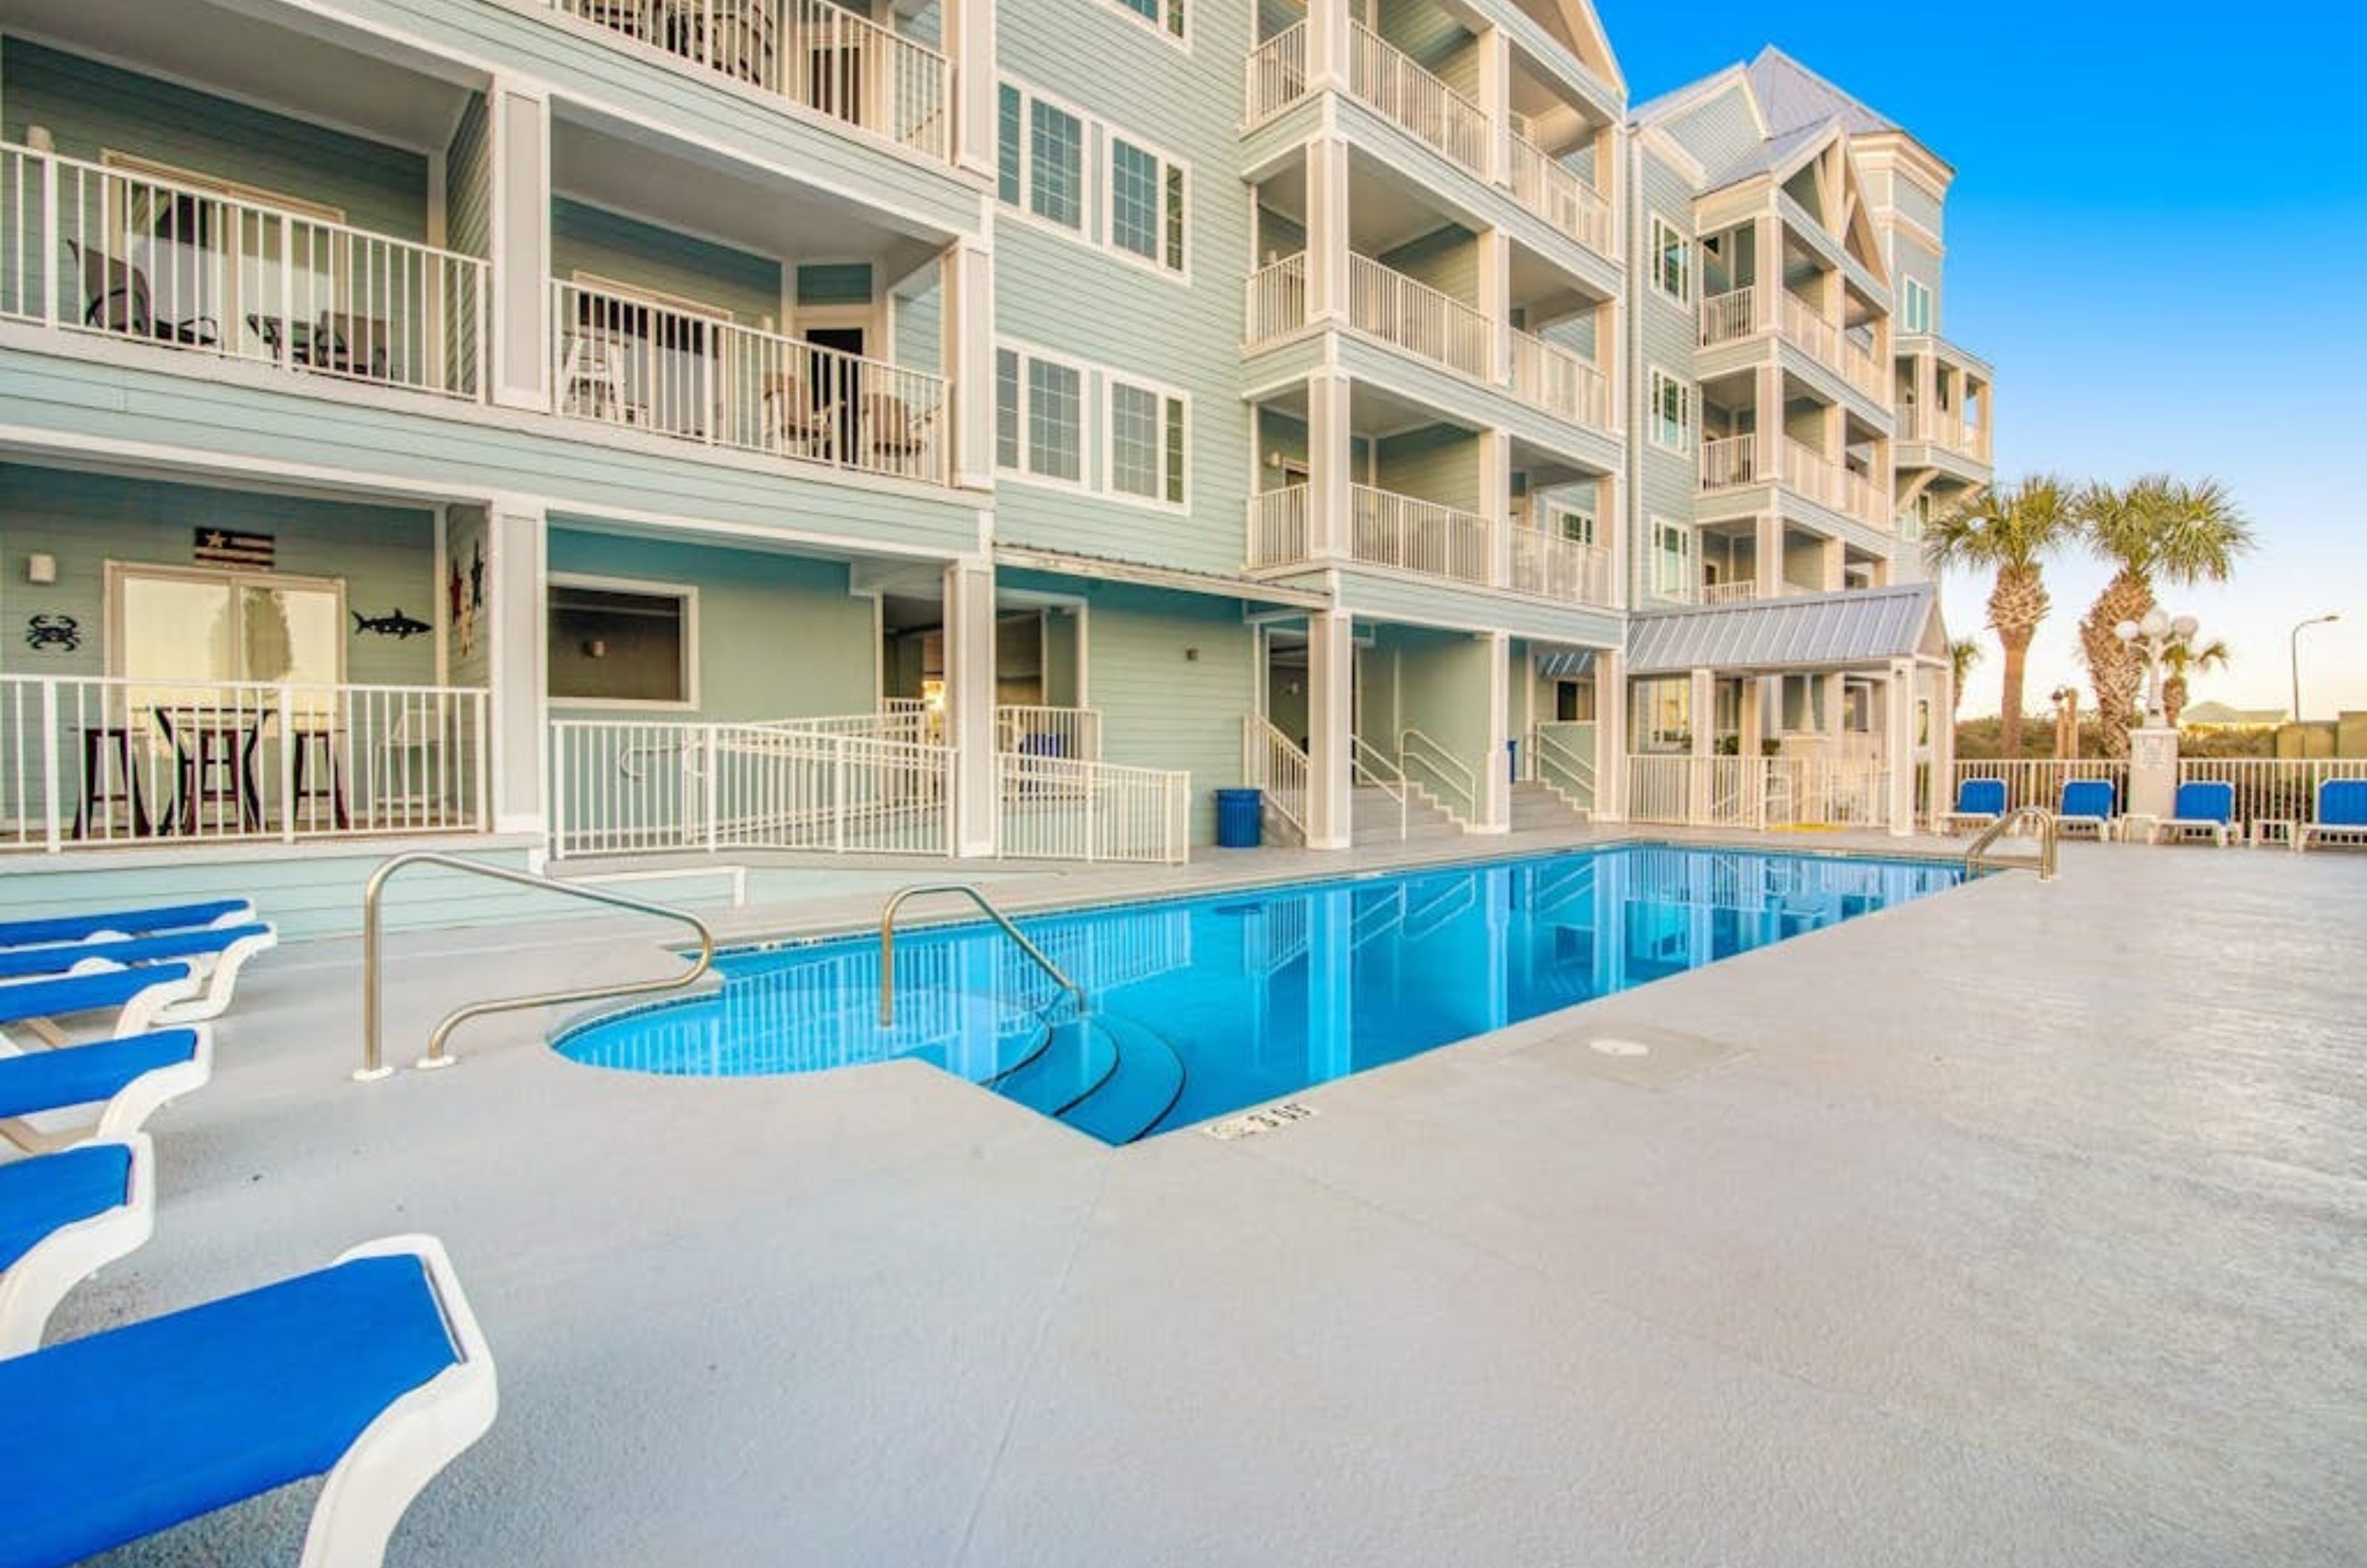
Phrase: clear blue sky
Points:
(2157, 236)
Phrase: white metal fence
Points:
(1555, 380)
(98, 249)
(1278, 74)
(1417, 318)
(1057, 809)
(1756, 792)
(91, 760)
(625, 360)
(2039, 781)
(1555, 568)
(1041, 730)
(1728, 316)
(816, 54)
(1390, 529)
(1556, 194)
(1276, 299)
(1278, 526)
(2273, 789)
(1386, 78)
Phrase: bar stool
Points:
(101, 742)
(301, 790)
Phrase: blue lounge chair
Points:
(372, 1371)
(215, 955)
(63, 1218)
(120, 923)
(126, 1080)
(2086, 807)
(1979, 802)
(2342, 815)
(2204, 806)
(135, 996)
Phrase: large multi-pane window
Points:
(1006, 408)
(1082, 175)
(1048, 409)
(1672, 261)
(1146, 450)
(1671, 411)
(1056, 164)
(1009, 153)
(1672, 562)
(1146, 205)
(1056, 420)
(1915, 301)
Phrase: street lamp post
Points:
(2153, 638)
(2313, 621)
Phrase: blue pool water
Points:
(1203, 1006)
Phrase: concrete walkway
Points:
(2020, 1225)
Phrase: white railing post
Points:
(710, 784)
(287, 769)
(838, 792)
(53, 834)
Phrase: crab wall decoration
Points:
(53, 634)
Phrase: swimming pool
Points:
(1203, 1006)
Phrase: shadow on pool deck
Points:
(2022, 1223)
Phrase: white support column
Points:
(968, 30)
(1326, 229)
(1495, 50)
(1495, 266)
(1496, 502)
(1767, 556)
(970, 703)
(1612, 533)
(512, 626)
(1754, 716)
(1330, 718)
(967, 280)
(1767, 251)
(1702, 714)
(1836, 687)
(1835, 556)
(1768, 400)
(521, 335)
(1327, 43)
(1496, 780)
(1610, 737)
(1940, 791)
(1898, 752)
(1331, 457)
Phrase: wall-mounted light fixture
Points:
(595, 648)
(42, 569)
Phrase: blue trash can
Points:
(1240, 817)
(1512, 764)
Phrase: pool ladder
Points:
(1979, 858)
(888, 944)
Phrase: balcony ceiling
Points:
(309, 73)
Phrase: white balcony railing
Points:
(1730, 460)
(1279, 534)
(1945, 428)
(1385, 77)
(626, 361)
(1403, 531)
(1862, 370)
(94, 249)
(1553, 567)
(1041, 730)
(1807, 330)
(1556, 194)
(1758, 792)
(1832, 484)
(1555, 380)
(1275, 297)
(1728, 316)
(1058, 808)
(1417, 318)
(1278, 74)
(632, 787)
(1729, 593)
(102, 760)
(814, 54)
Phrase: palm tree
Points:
(2010, 532)
(2179, 660)
(1962, 654)
(2156, 530)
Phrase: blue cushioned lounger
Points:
(2088, 807)
(63, 1217)
(127, 922)
(1978, 802)
(214, 954)
(2205, 806)
(371, 1371)
(136, 997)
(127, 1079)
(2342, 815)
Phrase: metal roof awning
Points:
(1564, 663)
(1110, 569)
(1864, 628)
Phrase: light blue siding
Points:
(631, 250)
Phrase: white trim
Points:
(1655, 223)
(1163, 26)
(1094, 196)
(1654, 376)
(1111, 380)
(115, 573)
(686, 593)
(1019, 466)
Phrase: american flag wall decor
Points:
(222, 547)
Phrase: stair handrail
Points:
(1978, 859)
(1386, 776)
(887, 942)
(1546, 752)
(1446, 768)
(373, 1065)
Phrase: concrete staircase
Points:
(1536, 805)
(1375, 817)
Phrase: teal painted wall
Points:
(90, 107)
(1446, 259)
(626, 250)
(386, 556)
(1663, 484)
(1909, 259)
(468, 183)
(1444, 682)
(1719, 131)
(1437, 463)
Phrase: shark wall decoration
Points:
(398, 626)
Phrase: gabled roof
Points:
(1679, 99)
(1792, 96)
(1778, 158)
(1862, 629)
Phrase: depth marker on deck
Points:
(1266, 1119)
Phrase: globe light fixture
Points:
(2151, 640)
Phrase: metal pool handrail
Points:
(1978, 857)
(373, 998)
(888, 944)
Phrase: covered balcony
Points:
(1943, 396)
(1811, 306)
(1818, 451)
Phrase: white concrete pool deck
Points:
(2026, 1223)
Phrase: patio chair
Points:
(127, 1079)
(2206, 806)
(591, 378)
(134, 998)
(900, 432)
(64, 1216)
(1979, 802)
(352, 343)
(116, 298)
(215, 955)
(802, 425)
(114, 925)
(372, 1371)
(2086, 807)
(2342, 815)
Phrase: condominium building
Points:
(590, 427)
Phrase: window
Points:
(615, 643)
(1009, 113)
(1575, 526)
(1803, 704)
(1915, 306)
(1672, 562)
(1672, 261)
(191, 625)
(1662, 714)
(1573, 702)
(1006, 409)
(1146, 450)
(1055, 411)
(1146, 205)
(1673, 412)
(1165, 14)
(1056, 165)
